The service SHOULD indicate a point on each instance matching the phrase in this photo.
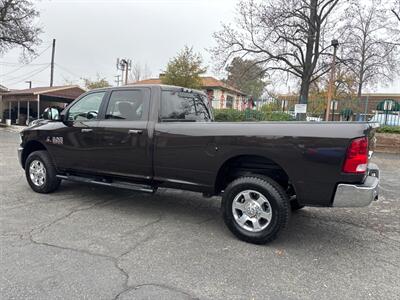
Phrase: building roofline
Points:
(59, 89)
(221, 85)
(46, 90)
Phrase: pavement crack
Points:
(140, 228)
(126, 286)
(113, 259)
(70, 213)
(163, 286)
(77, 209)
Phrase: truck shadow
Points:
(308, 229)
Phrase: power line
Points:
(26, 78)
(67, 70)
(17, 69)
(25, 74)
(5, 63)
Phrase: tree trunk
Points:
(308, 65)
(360, 84)
(304, 89)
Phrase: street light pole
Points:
(335, 44)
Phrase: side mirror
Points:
(51, 113)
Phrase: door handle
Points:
(135, 131)
(86, 130)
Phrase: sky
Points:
(91, 34)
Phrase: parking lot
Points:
(91, 242)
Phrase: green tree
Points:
(99, 82)
(247, 76)
(184, 69)
(17, 26)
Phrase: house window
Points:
(229, 102)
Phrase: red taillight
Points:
(357, 156)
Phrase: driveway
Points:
(90, 242)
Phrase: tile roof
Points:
(207, 82)
(211, 82)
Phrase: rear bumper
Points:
(358, 195)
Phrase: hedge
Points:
(233, 115)
(389, 129)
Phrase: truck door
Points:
(74, 144)
(123, 140)
(184, 150)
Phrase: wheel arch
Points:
(30, 147)
(244, 165)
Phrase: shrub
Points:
(228, 115)
(389, 129)
(270, 107)
(233, 115)
(278, 116)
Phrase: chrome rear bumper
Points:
(358, 195)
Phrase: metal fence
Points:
(372, 109)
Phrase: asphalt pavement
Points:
(92, 242)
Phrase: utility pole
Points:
(30, 83)
(53, 50)
(126, 72)
(125, 66)
(117, 79)
(335, 44)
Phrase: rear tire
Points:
(255, 208)
(41, 173)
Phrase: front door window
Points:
(86, 108)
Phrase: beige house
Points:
(220, 94)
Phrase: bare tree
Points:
(396, 9)
(372, 43)
(17, 26)
(139, 72)
(280, 35)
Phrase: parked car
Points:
(146, 137)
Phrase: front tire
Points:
(41, 173)
(255, 208)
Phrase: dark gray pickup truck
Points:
(143, 137)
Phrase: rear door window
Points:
(184, 107)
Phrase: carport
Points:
(22, 104)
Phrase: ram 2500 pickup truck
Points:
(144, 137)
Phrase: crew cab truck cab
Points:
(143, 137)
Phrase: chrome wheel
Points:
(251, 210)
(37, 172)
